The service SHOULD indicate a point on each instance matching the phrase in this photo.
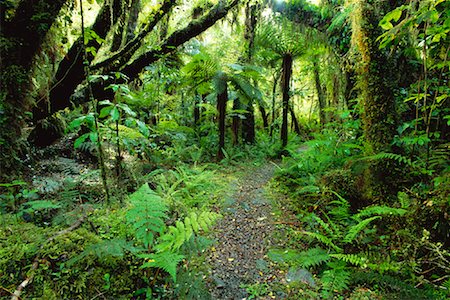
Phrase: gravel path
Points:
(243, 236)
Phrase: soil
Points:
(244, 236)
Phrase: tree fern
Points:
(167, 261)
(182, 232)
(147, 214)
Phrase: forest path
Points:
(244, 236)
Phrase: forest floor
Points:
(239, 265)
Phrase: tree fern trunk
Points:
(285, 81)
(221, 108)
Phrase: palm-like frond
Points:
(280, 37)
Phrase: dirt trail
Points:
(243, 237)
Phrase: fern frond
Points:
(166, 261)
(355, 229)
(182, 232)
(312, 257)
(324, 224)
(323, 239)
(390, 156)
(380, 211)
(147, 214)
(353, 259)
(337, 278)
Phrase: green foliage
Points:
(167, 261)
(182, 232)
(146, 215)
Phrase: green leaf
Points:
(80, 140)
(115, 114)
(105, 111)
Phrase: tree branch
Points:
(178, 38)
(124, 54)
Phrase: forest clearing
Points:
(224, 149)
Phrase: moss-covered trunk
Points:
(376, 93)
(21, 39)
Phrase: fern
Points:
(323, 239)
(33, 206)
(336, 279)
(324, 225)
(312, 257)
(182, 232)
(104, 249)
(379, 210)
(147, 214)
(353, 259)
(355, 229)
(391, 156)
(166, 261)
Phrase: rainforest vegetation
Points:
(224, 149)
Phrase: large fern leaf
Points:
(323, 239)
(312, 257)
(147, 214)
(355, 229)
(182, 232)
(335, 279)
(168, 261)
(379, 210)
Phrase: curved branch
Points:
(127, 51)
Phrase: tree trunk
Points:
(264, 115)
(236, 122)
(320, 93)
(60, 100)
(294, 120)
(378, 110)
(22, 38)
(71, 69)
(274, 97)
(285, 81)
(248, 124)
(133, 19)
(222, 99)
(196, 109)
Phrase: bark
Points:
(196, 109)
(133, 19)
(236, 122)
(264, 115)
(378, 110)
(248, 124)
(22, 38)
(71, 69)
(120, 28)
(274, 97)
(294, 120)
(222, 99)
(320, 93)
(285, 81)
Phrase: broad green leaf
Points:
(115, 114)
